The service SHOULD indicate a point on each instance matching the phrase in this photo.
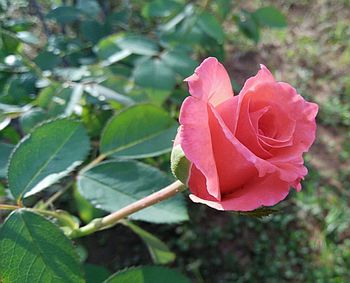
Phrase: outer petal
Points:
(210, 82)
(289, 159)
(305, 130)
(197, 184)
(195, 140)
(263, 76)
(266, 191)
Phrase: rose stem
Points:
(113, 218)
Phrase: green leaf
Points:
(2, 192)
(109, 94)
(64, 14)
(113, 185)
(9, 44)
(160, 8)
(54, 99)
(46, 155)
(14, 110)
(32, 118)
(107, 46)
(32, 249)
(95, 273)
(138, 44)
(211, 26)
(4, 121)
(47, 60)
(28, 37)
(89, 7)
(119, 19)
(180, 62)
(154, 73)
(189, 33)
(154, 96)
(148, 274)
(20, 89)
(66, 221)
(92, 30)
(74, 99)
(10, 134)
(186, 13)
(94, 119)
(248, 26)
(222, 8)
(86, 211)
(116, 57)
(8, 112)
(159, 251)
(5, 151)
(260, 212)
(72, 73)
(270, 17)
(138, 131)
(108, 50)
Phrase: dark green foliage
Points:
(137, 132)
(148, 274)
(32, 249)
(5, 151)
(112, 191)
(46, 155)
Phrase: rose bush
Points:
(245, 151)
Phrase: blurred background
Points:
(142, 50)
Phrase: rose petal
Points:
(210, 82)
(225, 163)
(195, 140)
(234, 164)
(227, 111)
(256, 107)
(263, 167)
(266, 191)
(268, 142)
(263, 76)
(295, 123)
(305, 127)
(197, 184)
(247, 132)
(292, 172)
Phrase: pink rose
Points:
(245, 150)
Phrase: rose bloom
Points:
(246, 150)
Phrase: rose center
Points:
(274, 127)
(267, 125)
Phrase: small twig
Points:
(8, 207)
(94, 162)
(56, 195)
(14, 36)
(31, 65)
(206, 4)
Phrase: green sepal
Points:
(180, 165)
